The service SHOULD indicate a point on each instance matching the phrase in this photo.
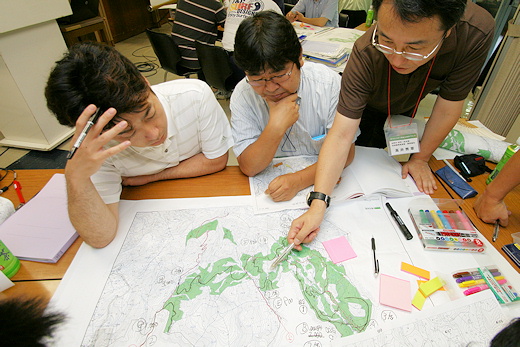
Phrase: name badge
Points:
(402, 139)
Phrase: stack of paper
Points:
(41, 229)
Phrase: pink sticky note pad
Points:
(395, 292)
(339, 249)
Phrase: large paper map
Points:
(202, 277)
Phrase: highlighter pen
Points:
(496, 230)
(430, 219)
(424, 219)
(92, 120)
(462, 218)
(477, 282)
(438, 222)
(449, 219)
(480, 288)
(471, 273)
(399, 222)
(475, 277)
(443, 219)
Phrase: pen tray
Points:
(445, 227)
(474, 280)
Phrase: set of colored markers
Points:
(475, 280)
(446, 230)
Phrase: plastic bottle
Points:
(9, 264)
(370, 16)
(510, 151)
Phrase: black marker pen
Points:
(399, 222)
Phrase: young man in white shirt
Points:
(173, 130)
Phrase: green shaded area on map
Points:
(323, 284)
(456, 142)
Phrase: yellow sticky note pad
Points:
(418, 300)
(430, 287)
(419, 282)
(414, 270)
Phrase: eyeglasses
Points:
(410, 56)
(275, 79)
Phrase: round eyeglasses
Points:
(275, 79)
(410, 56)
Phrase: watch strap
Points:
(319, 196)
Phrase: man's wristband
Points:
(317, 195)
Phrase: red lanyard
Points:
(418, 100)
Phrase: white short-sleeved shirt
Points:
(239, 10)
(318, 90)
(196, 124)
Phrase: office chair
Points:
(168, 54)
(215, 64)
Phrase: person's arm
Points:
(319, 21)
(444, 116)
(198, 165)
(490, 205)
(95, 221)
(258, 155)
(285, 187)
(335, 152)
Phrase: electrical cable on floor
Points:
(149, 65)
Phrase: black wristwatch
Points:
(317, 195)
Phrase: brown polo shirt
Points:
(456, 69)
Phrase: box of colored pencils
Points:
(471, 281)
(446, 230)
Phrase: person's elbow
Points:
(99, 241)
(220, 163)
(246, 169)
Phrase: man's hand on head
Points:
(89, 157)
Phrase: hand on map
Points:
(283, 113)
(283, 188)
(305, 228)
(421, 173)
(489, 209)
(90, 155)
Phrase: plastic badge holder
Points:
(471, 281)
(444, 227)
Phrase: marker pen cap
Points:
(9, 264)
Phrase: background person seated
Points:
(315, 12)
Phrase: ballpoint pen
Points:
(400, 222)
(376, 262)
(92, 120)
(282, 255)
(496, 230)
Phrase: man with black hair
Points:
(172, 130)
(283, 107)
(415, 47)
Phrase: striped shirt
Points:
(196, 124)
(196, 20)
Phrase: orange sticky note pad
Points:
(418, 300)
(414, 270)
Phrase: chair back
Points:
(166, 51)
(343, 19)
(214, 61)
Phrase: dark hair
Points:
(264, 41)
(449, 11)
(92, 73)
(23, 322)
(509, 336)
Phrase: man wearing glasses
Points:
(283, 107)
(416, 46)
